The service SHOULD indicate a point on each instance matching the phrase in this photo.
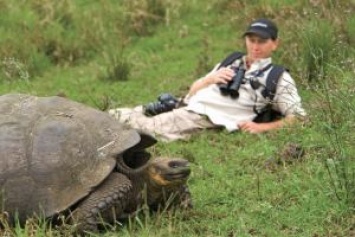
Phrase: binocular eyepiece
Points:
(166, 102)
(232, 87)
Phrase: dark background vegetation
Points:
(120, 53)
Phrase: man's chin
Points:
(255, 58)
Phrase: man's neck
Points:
(249, 61)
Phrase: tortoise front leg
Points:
(178, 197)
(96, 208)
(181, 198)
(184, 198)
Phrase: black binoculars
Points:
(232, 87)
(166, 102)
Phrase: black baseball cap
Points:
(262, 27)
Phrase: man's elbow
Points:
(292, 119)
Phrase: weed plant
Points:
(110, 54)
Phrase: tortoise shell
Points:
(54, 152)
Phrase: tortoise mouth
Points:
(183, 175)
(174, 170)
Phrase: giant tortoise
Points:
(62, 158)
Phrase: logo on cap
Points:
(259, 24)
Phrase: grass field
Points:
(110, 54)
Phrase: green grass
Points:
(235, 193)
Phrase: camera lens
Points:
(151, 109)
(166, 98)
(165, 104)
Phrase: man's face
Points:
(259, 48)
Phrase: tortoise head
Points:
(168, 172)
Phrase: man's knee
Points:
(121, 114)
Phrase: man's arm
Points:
(222, 75)
(287, 101)
(253, 127)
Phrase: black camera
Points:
(166, 102)
(232, 87)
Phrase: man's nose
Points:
(255, 46)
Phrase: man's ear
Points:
(276, 43)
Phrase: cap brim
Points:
(261, 34)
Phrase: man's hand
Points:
(222, 75)
(252, 127)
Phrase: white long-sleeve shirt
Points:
(229, 112)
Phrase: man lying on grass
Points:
(233, 95)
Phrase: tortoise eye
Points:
(178, 163)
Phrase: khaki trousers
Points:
(169, 126)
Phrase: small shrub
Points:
(118, 68)
(337, 121)
(318, 46)
(143, 15)
(13, 69)
(350, 30)
(204, 63)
